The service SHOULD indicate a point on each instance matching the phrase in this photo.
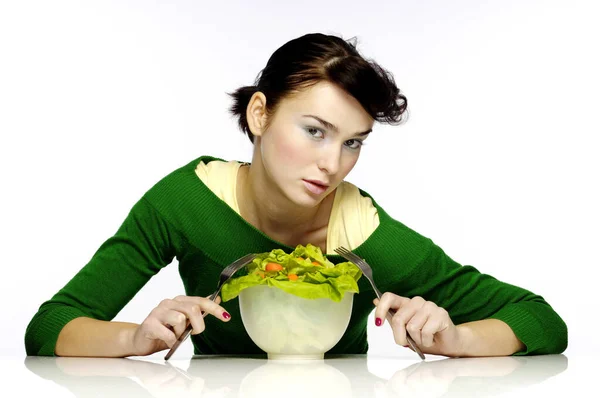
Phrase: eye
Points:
(353, 144)
(314, 132)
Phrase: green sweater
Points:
(181, 218)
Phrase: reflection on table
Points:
(335, 376)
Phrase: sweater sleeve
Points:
(469, 295)
(123, 264)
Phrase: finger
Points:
(207, 306)
(388, 301)
(158, 331)
(191, 312)
(399, 321)
(196, 298)
(438, 322)
(388, 315)
(415, 325)
(176, 319)
(428, 331)
(402, 317)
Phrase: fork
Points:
(368, 272)
(226, 274)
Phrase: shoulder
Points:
(352, 193)
(180, 191)
(391, 232)
(177, 182)
(351, 201)
(352, 198)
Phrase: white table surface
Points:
(335, 376)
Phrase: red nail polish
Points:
(377, 321)
(226, 315)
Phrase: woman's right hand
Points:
(168, 321)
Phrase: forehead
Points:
(329, 102)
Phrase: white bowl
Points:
(286, 326)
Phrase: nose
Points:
(329, 160)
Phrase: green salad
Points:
(305, 272)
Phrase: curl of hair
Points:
(241, 98)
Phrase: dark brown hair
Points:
(309, 59)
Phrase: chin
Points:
(306, 200)
(301, 197)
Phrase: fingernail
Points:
(226, 315)
(377, 321)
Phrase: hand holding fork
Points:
(226, 274)
(368, 273)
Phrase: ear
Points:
(256, 113)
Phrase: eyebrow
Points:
(333, 127)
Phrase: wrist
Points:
(127, 338)
(465, 341)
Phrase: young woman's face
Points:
(313, 141)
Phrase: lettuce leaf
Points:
(317, 277)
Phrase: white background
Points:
(498, 162)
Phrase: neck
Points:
(266, 207)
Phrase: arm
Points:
(411, 265)
(487, 338)
(87, 337)
(485, 308)
(118, 270)
(434, 332)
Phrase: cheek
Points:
(288, 148)
(348, 164)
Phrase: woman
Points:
(308, 115)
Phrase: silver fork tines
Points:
(226, 274)
(368, 273)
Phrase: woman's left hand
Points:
(430, 326)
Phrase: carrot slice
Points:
(292, 277)
(273, 267)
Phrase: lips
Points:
(315, 186)
(317, 182)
